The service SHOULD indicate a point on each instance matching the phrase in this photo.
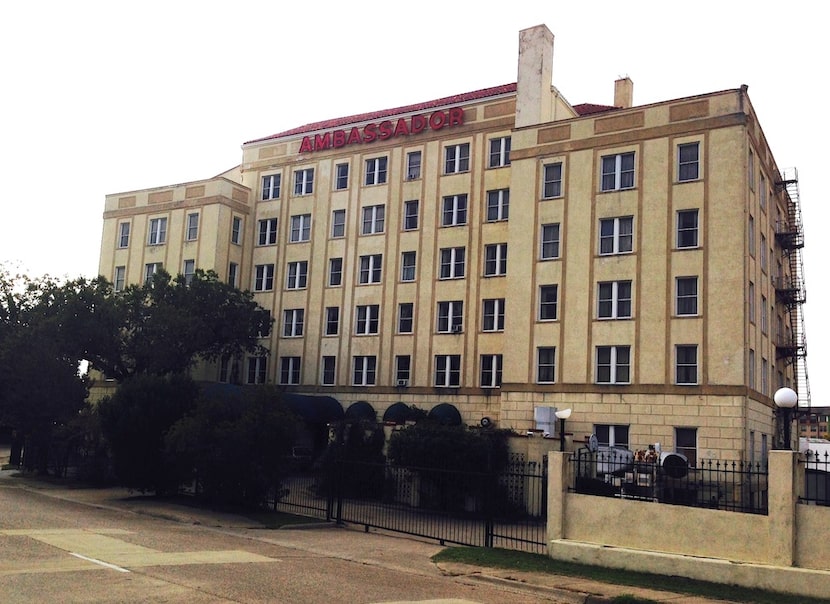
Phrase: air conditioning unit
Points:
(457, 328)
(403, 383)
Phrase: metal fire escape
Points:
(791, 346)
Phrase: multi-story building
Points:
(502, 251)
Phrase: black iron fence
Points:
(816, 478)
(715, 484)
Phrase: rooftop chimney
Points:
(534, 103)
(624, 93)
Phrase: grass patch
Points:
(539, 563)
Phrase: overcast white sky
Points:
(102, 97)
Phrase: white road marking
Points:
(100, 562)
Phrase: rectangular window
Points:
(150, 270)
(408, 266)
(338, 223)
(120, 278)
(370, 268)
(454, 210)
(685, 371)
(545, 365)
(233, 274)
(367, 319)
(611, 435)
(618, 172)
(751, 170)
(375, 171)
(332, 320)
(263, 277)
(751, 236)
(686, 296)
(450, 317)
(365, 368)
(552, 180)
(549, 241)
(614, 300)
(493, 314)
(406, 317)
(403, 368)
(616, 235)
(763, 252)
(410, 215)
(257, 370)
(192, 231)
(124, 234)
(304, 181)
(335, 272)
(452, 263)
(448, 370)
(290, 370)
(764, 315)
(300, 228)
(751, 369)
(292, 322)
(263, 318)
(491, 367)
(751, 301)
(236, 230)
(764, 376)
(499, 152)
(548, 300)
(341, 177)
(329, 371)
(613, 364)
(685, 443)
(763, 192)
(687, 226)
(267, 231)
(188, 270)
(688, 161)
(373, 219)
(297, 275)
(413, 165)
(495, 260)
(456, 158)
(498, 205)
(158, 231)
(271, 186)
(230, 370)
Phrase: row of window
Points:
(157, 230)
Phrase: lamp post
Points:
(785, 400)
(562, 415)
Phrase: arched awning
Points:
(361, 410)
(396, 413)
(445, 414)
(314, 409)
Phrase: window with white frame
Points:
(332, 327)
(448, 370)
(685, 364)
(338, 223)
(192, 230)
(614, 300)
(498, 205)
(293, 320)
(304, 181)
(188, 270)
(410, 215)
(613, 364)
(413, 165)
(499, 152)
(545, 365)
(491, 368)
(548, 302)
(450, 317)
(549, 241)
(267, 231)
(617, 172)
(158, 231)
(685, 443)
(611, 435)
(688, 161)
(233, 274)
(367, 319)
(495, 260)
(328, 374)
(120, 278)
(616, 235)
(257, 370)
(452, 263)
(456, 158)
(150, 270)
(686, 296)
(375, 171)
(297, 275)
(365, 369)
(493, 314)
(290, 370)
(687, 228)
(123, 234)
(454, 210)
(271, 186)
(263, 277)
(263, 323)
(341, 177)
(300, 228)
(403, 368)
(373, 219)
(230, 370)
(236, 230)
(408, 266)
(370, 269)
(406, 317)
(335, 272)
(552, 180)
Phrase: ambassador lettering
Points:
(336, 139)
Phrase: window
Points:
(685, 443)
(335, 271)
(545, 365)
(233, 274)
(751, 236)
(763, 193)
(498, 205)
(454, 210)
(297, 275)
(263, 326)
(120, 278)
(495, 260)
(493, 314)
(300, 228)
(373, 218)
(410, 215)
(610, 435)
(450, 317)
(329, 371)
(500, 152)
(338, 223)
(548, 298)
(448, 370)
(452, 263)
(263, 277)
(751, 369)
(290, 370)
(229, 370)
(613, 364)
(304, 181)
(370, 268)
(267, 231)
(364, 370)
(367, 319)
(764, 376)
(750, 294)
(751, 170)
(124, 234)
(236, 230)
(549, 241)
(413, 165)
(763, 252)
(687, 221)
(341, 176)
(406, 314)
(616, 235)
(403, 366)
(375, 171)
(491, 365)
(332, 320)
(408, 266)
(158, 231)
(686, 296)
(271, 186)
(257, 370)
(688, 161)
(192, 228)
(552, 180)
(764, 315)
(456, 158)
(150, 270)
(614, 300)
(685, 367)
(292, 323)
(617, 172)
(188, 270)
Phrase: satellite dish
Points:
(593, 443)
(486, 422)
